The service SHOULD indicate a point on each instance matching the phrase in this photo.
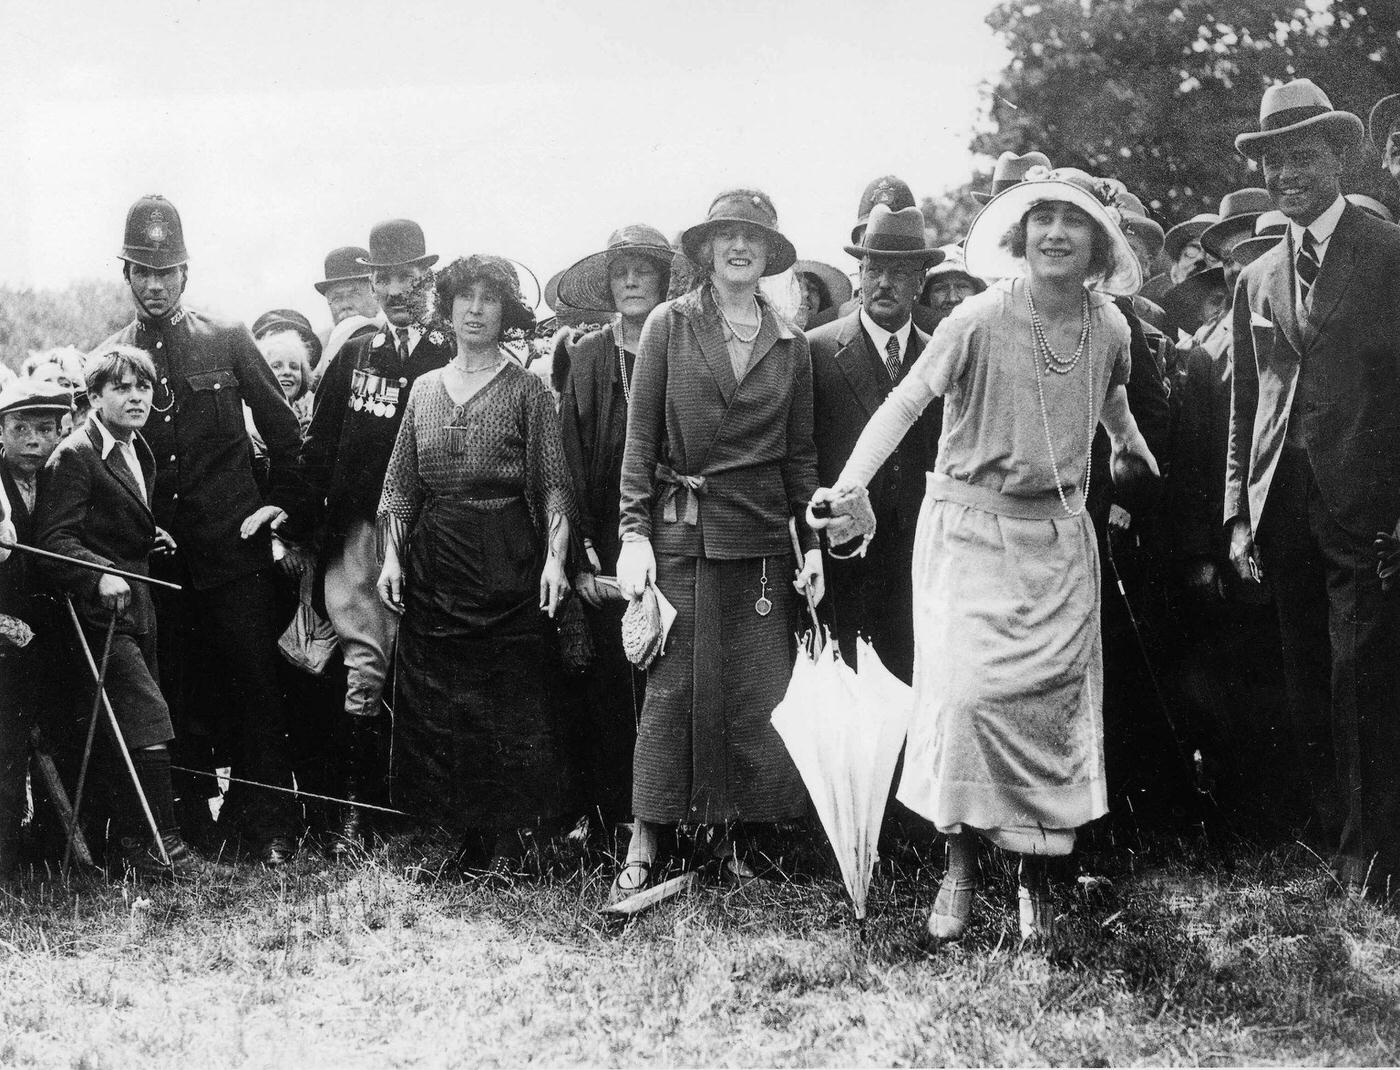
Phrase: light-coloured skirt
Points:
(1006, 736)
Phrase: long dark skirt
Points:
(605, 732)
(706, 750)
(476, 733)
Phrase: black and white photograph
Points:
(859, 533)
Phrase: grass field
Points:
(1172, 953)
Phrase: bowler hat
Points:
(288, 319)
(1384, 113)
(1009, 170)
(896, 236)
(752, 208)
(29, 395)
(888, 190)
(154, 236)
(395, 243)
(1238, 210)
(1294, 108)
(343, 265)
(586, 284)
(1181, 235)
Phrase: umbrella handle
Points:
(811, 602)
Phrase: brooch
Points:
(436, 338)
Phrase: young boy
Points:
(94, 505)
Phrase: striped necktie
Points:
(1308, 266)
(402, 334)
(892, 361)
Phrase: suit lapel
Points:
(118, 467)
(1280, 292)
(713, 347)
(1337, 269)
(860, 367)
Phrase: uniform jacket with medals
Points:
(1349, 400)
(359, 407)
(206, 371)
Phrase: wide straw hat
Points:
(987, 258)
(395, 243)
(1269, 229)
(1238, 210)
(752, 208)
(1384, 114)
(1294, 108)
(838, 286)
(343, 265)
(1183, 234)
(155, 237)
(1011, 169)
(586, 284)
(896, 236)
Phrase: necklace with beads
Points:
(734, 330)
(621, 361)
(1041, 352)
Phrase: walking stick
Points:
(117, 732)
(48, 776)
(92, 731)
(76, 562)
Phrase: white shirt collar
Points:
(1321, 227)
(109, 440)
(881, 337)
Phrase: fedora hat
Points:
(289, 319)
(1181, 235)
(586, 284)
(394, 243)
(1186, 303)
(1384, 113)
(888, 190)
(752, 208)
(1370, 204)
(896, 236)
(343, 265)
(988, 259)
(1238, 210)
(154, 237)
(1269, 229)
(1294, 108)
(1009, 170)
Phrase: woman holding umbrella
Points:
(719, 457)
(1006, 736)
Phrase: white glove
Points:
(636, 567)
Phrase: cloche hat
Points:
(748, 206)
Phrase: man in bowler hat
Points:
(1313, 472)
(350, 298)
(358, 411)
(218, 638)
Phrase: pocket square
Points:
(1256, 320)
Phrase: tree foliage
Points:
(81, 314)
(1154, 91)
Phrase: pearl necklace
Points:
(734, 330)
(622, 362)
(1040, 349)
(1053, 361)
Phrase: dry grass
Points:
(1169, 955)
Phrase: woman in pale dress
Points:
(1006, 737)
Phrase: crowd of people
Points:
(1118, 501)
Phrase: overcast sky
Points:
(530, 128)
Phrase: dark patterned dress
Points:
(477, 743)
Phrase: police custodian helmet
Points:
(154, 236)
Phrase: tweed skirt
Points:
(706, 750)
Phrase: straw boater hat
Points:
(748, 206)
(887, 190)
(838, 287)
(395, 243)
(1384, 114)
(989, 259)
(896, 236)
(1370, 204)
(343, 265)
(1269, 229)
(1299, 107)
(1009, 170)
(1238, 211)
(586, 284)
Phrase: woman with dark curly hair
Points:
(476, 511)
(719, 457)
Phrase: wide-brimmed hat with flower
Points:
(586, 284)
(1294, 108)
(989, 259)
(748, 206)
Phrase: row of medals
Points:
(375, 394)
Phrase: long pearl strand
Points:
(1040, 350)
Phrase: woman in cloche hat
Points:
(719, 455)
(1006, 738)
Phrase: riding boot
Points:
(352, 831)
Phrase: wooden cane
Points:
(117, 733)
(48, 776)
(92, 731)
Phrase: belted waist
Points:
(486, 492)
(1021, 506)
(688, 488)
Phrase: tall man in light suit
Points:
(1313, 472)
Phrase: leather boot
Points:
(352, 831)
(141, 858)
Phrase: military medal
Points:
(763, 606)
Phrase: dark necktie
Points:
(892, 358)
(402, 333)
(1308, 267)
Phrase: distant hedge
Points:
(80, 314)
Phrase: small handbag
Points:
(641, 629)
(575, 636)
(309, 642)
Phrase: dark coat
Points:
(91, 509)
(1351, 343)
(207, 370)
(17, 571)
(348, 444)
(750, 441)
